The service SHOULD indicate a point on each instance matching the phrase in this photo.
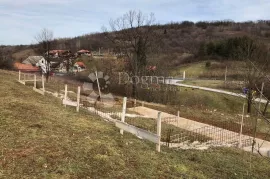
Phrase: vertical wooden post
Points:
(78, 98)
(241, 128)
(158, 131)
(35, 81)
(65, 97)
(226, 71)
(19, 75)
(123, 113)
(43, 87)
(184, 75)
(135, 102)
(178, 118)
(98, 86)
(261, 94)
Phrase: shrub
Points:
(207, 64)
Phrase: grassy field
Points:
(42, 139)
(232, 86)
(216, 70)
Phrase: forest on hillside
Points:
(181, 42)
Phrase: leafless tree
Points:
(256, 58)
(44, 39)
(134, 37)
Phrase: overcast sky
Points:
(21, 20)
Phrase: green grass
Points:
(42, 139)
(215, 71)
(232, 86)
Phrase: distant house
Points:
(33, 60)
(59, 53)
(84, 52)
(37, 61)
(79, 66)
(26, 67)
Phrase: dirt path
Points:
(201, 128)
(176, 83)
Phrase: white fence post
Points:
(123, 113)
(65, 97)
(99, 92)
(178, 117)
(43, 86)
(184, 75)
(78, 98)
(35, 81)
(158, 131)
(19, 75)
(226, 71)
(241, 129)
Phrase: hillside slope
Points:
(178, 38)
(42, 139)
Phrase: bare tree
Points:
(256, 58)
(135, 37)
(44, 39)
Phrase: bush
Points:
(6, 63)
(207, 64)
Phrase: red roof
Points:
(80, 64)
(58, 51)
(25, 67)
(84, 51)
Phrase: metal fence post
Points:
(158, 131)
(78, 98)
(123, 113)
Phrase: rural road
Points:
(190, 125)
(175, 82)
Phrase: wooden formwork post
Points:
(241, 128)
(226, 71)
(19, 75)
(35, 81)
(184, 75)
(123, 113)
(158, 131)
(78, 98)
(99, 92)
(43, 86)
(65, 97)
(178, 118)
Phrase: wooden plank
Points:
(137, 131)
(22, 82)
(38, 91)
(70, 103)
